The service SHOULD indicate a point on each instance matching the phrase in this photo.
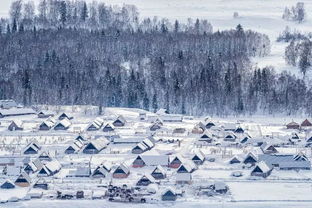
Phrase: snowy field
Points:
(198, 204)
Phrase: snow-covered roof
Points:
(53, 166)
(154, 160)
(183, 177)
(263, 167)
(16, 111)
(148, 143)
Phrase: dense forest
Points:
(71, 52)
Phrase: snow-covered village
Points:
(134, 156)
(148, 104)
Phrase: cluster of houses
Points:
(161, 154)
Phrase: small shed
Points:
(16, 126)
(169, 195)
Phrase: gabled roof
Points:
(199, 154)
(16, 111)
(53, 166)
(262, 166)
(148, 177)
(122, 167)
(25, 176)
(159, 169)
(18, 123)
(64, 122)
(148, 143)
(155, 160)
(306, 123)
(98, 144)
(292, 124)
(121, 119)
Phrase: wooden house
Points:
(45, 114)
(95, 146)
(169, 195)
(121, 171)
(286, 161)
(150, 160)
(268, 148)
(74, 148)
(95, 125)
(145, 180)
(293, 125)
(50, 169)
(209, 124)
(32, 148)
(230, 137)
(65, 115)
(186, 167)
(306, 124)
(42, 184)
(159, 173)
(261, 170)
(198, 157)
(108, 128)
(239, 130)
(16, 126)
(250, 159)
(120, 121)
(23, 180)
(7, 185)
(176, 162)
(33, 166)
(64, 124)
(47, 125)
(101, 171)
(45, 156)
(235, 160)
